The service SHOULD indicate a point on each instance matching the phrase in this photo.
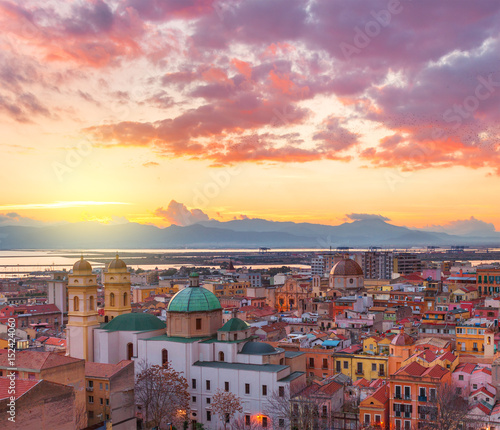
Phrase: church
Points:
(211, 355)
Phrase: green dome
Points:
(234, 324)
(258, 348)
(194, 299)
(135, 322)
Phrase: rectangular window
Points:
(346, 365)
(91, 399)
(247, 420)
(281, 422)
(398, 424)
(397, 393)
(198, 323)
(377, 419)
(208, 400)
(91, 414)
(193, 384)
(264, 390)
(374, 367)
(311, 363)
(381, 370)
(407, 393)
(107, 387)
(207, 384)
(432, 394)
(324, 412)
(367, 418)
(247, 388)
(101, 400)
(100, 385)
(281, 391)
(264, 422)
(193, 399)
(91, 384)
(226, 386)
(107, 402)
(360, 368)
(338, 366)
(325, 363)
(209, 415)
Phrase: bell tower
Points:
(82, 311)
(116, 290)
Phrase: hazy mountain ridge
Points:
(249, 233)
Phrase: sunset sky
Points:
(294, 110)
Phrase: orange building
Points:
(411, 391)
(293, 294)
(400, 349)
(374, 410)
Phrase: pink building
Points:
(468, 378)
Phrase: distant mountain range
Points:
(247, 233)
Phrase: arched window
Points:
(76, 304)
(130, 351)
(106, 318)
(235, 336)
(125, 298)
(112, 299)
(91, 303)
(221, 356)
(164, 357)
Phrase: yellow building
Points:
(357, 366)
(470, 336)
(463, 293)
(82, 311)
(116, 290)
(376, 345)
(140, 294)
(233, 289)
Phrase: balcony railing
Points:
(398, 396)
(422, 398)
(407, 397)
(381, 373)
(359, 372)
(90, 388)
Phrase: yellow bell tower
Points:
(116, 290)
(82, 311)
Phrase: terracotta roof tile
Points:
(466, 368)
(484, 391)
(22, 387)
(38, 309)
(104, 370)
(36, 360)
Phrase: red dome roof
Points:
(347, 267)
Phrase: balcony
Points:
(407, 414)
(381, 374)
(407, 397)
(359, 372)
(90, 389)
(398, 396)
(422, 398)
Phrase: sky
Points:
(176, 111)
